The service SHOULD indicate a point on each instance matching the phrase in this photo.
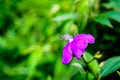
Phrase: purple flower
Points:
(76, 46)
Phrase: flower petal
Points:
(90, 38)
(78, 53)
(87, 37)
(67, 54)
(79, 43)
(78, 47)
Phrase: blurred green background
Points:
(30, 30)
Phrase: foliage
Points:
(30, 30)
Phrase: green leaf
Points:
(118, 73)
(90, 76)
(103, 20)
(49, 77)
(112, 4)
(112, 15)
(67, 26)
(94, 69)
(34, 58)
(83, 10)
(61, 71)
(110, 66)
(79, 67)
(66, 17)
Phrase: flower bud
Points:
(98, 55)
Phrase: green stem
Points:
(86, 61)
(86, 74)
(87, 67)
(97, 77)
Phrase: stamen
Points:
(67, 37)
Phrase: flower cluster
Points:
(76, 46)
